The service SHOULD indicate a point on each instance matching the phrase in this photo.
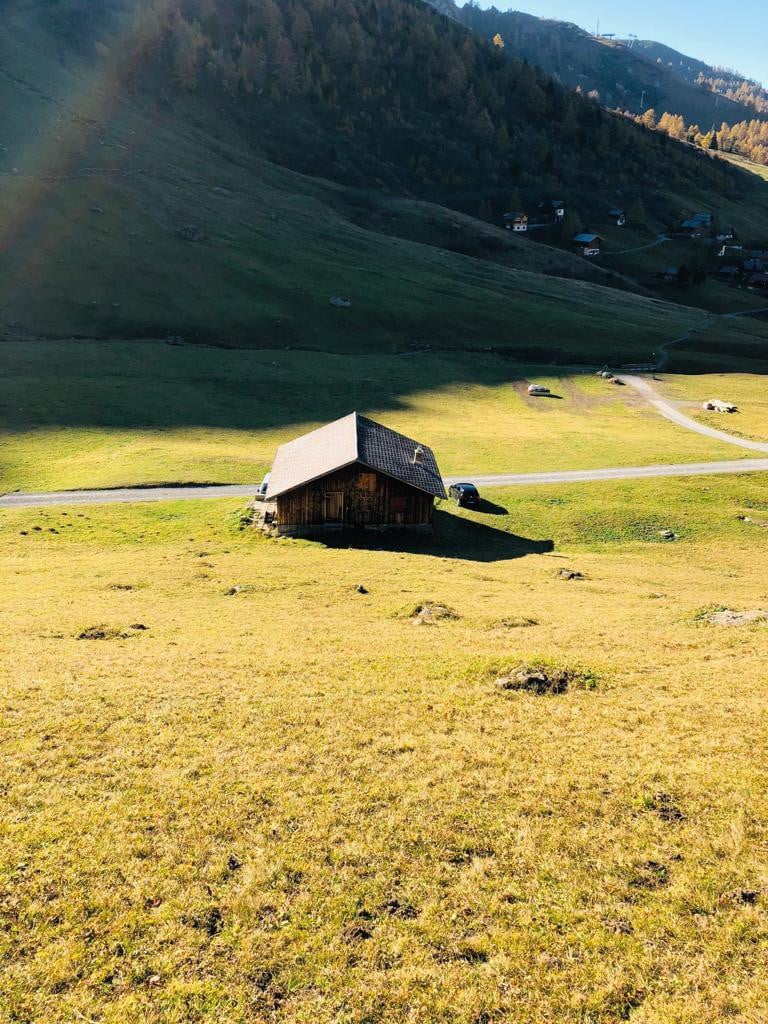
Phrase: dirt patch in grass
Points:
(427, 613)
(569, 574)
(514, 622)
(395, 908)
(543, 679)
(356, 933)
(663, 804)
(110, 632)
(740, 897)
(649, 875)
(720, 616)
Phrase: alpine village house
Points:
(352, 473)
(587, 244)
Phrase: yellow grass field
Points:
(281, 801)
(748, 391)
(162, 414)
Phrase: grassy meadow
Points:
(94, 188)
(213, 816)
(748, 391)
(96, 180)
(104, 414)
(239, 789)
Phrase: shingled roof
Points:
(353, 439)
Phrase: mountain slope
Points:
(139, 193)
(624, 77)
(380, 93)
(750, 95)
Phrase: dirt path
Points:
(640, 248)
(671, 412)
(710, 321)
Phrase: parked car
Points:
(466, 495)
(261, 493)
(538, 389)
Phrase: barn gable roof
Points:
(347, 441)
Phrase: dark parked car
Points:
(466, 495)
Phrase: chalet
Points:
(754, 266)
(728, 273)
(554, 208)
(726, 235)
(696, 226)
(516, 221)
(588, 244)
(667, 274)
(619, 217)
(692, 229)
(352, 473)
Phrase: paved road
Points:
(125, 495)
(670, 411)
(573, 476)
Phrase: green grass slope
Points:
(95, 184)
(106, 414)
(99, 169)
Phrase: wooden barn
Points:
(352, 473)
(587, 244)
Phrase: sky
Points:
(731, 34)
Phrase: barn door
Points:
(334, 507)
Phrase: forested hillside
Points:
(751, 95)
(388, 93)
(148, 187)
(630, 78)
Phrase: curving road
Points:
(669, 411)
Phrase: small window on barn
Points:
(367, 481)
(398, 504)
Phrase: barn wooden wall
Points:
(369, 499)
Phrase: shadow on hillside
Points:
(146, 385)
(453, 537)
(150, 386)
